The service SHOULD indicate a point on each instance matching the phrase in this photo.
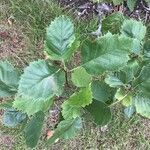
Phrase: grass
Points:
(29, 19)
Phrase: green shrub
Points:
(114, 69)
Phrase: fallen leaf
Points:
(49, 134)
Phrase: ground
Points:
(22, 28)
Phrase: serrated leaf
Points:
(39, 83)
(108, 53)
(27, 104)
(129, 111)
(142, 104)
(121, 95)
(81, 98)
(134, 29)
(129, 72)
(33, 129)
(113, 23)
(145, 73)
(66, 129)
(131, 4)
(124, 97)
(127, 101)
(66, 56)
(137, 48)
(12, 118)
(147, 48)
(100, 112)
(143, 81)
(69, 111)
(9, 78)
(60, 37)
(113, 81)
(80, 77)
(101, 91)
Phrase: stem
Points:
(119, 100)
(66, 72)
(75, 68)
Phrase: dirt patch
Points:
(6, 142)
(16, 46)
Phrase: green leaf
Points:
(117, 2)
(59, 38)
(113, 23)
(101, 91)
(12, 118)
(131, 4)
(143, 81)
(9, 78)
(129, 111)
(148, 2)
(108, 53)
(81, 98)
(142, 104)
(80, 77)
(69, 111)
(131, 71)
(100, 112)
(127, 101)
(137, 48)
(33, 129)
(124, 97)
(113, 81)
(66, 129)
(27, 104)
(39, 83)
(66, 56)
(145, 73)
(147, 48)
(134, 29)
